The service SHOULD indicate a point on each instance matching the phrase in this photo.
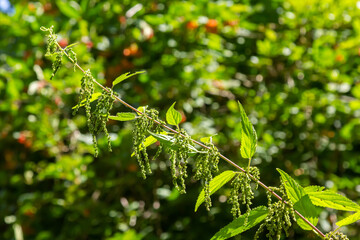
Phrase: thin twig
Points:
(198, 143)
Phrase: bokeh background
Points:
(293, 64)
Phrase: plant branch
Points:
(198, 143)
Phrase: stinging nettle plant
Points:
(293, 203)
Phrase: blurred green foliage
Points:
(293, 64)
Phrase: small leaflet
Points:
(124, 77)
(173, 117)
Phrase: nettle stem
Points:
(196, 142)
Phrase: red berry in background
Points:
(31, 7)
(211, 26)
(22, 138)
(89, 44)
(126, 52)
(132, 50)
(183, 117)
(63, 42)
(58, 100)
(27, 54)
(122, 19)
(47, 7)
(191, 25)
(339, 58)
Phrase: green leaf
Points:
(206, 139)
(124, 77)
(70, 9)
(169, 141)
(248, 135)
(123, 116)
(94, 97)
(301, 201)
(293, 189)
(173, 117)
(141, 109)
(313, 188)
(308, 210)
(238, 226)
(349, 220)
(333, 200)
(215, 184)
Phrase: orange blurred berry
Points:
(132, 168)
(183, 117)
(211, 26)
(22, 138)
(339, 58)
(31, 7)
(132, 50)
(122, 19)
(63, 42)
(89, 44)
(218, 84)
(191, 25)
(126, 52)
(47, 7)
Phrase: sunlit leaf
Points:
(215, 184)
(349, 220)
(301, 201)
(256, 216)
(333, 200)
(173, 117)
(313, 188)
(293, 189)
(123, 116)
(308, 210)
(94, 97)
(124, 77)
(141, 109)
(248, 135)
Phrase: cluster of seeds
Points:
(336, 236)
(57, 63)
(141, 127)
(52, 49)
(178, 159)
(207, 164)
(241, 191)
(278, 218)
(96, 121)
(51, 42)
(72, 56)
(100, 116)
(86, 91)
